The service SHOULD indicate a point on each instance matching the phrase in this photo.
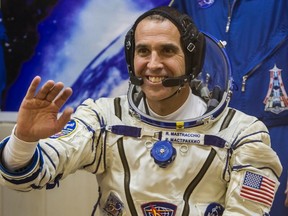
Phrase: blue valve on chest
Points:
(163, 153)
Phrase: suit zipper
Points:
(195, 182)
(230, 12)
(120, 145)
(251, 72)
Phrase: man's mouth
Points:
(155, 79)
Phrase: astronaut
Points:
(171, 146)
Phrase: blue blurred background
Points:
(77, 42)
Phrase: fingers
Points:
(45, 90)
(65, 117)
(49, 91)
(63, 97)
(54, 91)
(32, 88)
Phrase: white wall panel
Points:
(75, 196)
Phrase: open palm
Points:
(38, 113)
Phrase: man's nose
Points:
(154, 61)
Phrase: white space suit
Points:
(200, 177)
(220, 163)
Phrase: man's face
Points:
(158, 54)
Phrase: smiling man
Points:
(158, 56)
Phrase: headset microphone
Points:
(175, 81)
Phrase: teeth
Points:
(155, 79)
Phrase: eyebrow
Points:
(140, 46)
(166, 45)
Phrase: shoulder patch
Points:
(258, 188)
(69, 128)
(276, 100)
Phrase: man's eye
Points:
(142, 52)
(168, 51)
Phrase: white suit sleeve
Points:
(17, 153)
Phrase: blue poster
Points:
(3, 39)
(79, 43)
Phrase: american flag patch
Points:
(258, 188)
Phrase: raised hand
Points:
(38, 113)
